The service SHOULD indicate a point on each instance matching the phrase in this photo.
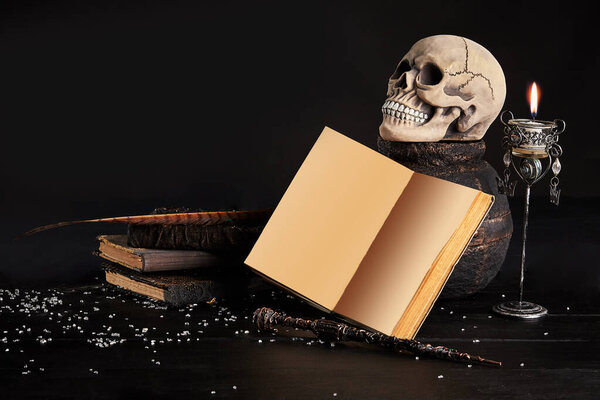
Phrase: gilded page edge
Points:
(120, 262)
(113, 241)
(119, 280)
(400, 330)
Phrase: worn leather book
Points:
(172, 288)
(364, 237)
(233, 238)
(114, 248)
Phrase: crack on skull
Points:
(472, 74)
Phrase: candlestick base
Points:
(520, 309)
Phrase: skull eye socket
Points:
(403, 67)
(430, 75)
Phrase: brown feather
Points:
(193, 218)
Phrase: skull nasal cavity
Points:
(401, 83)
(430, 75)
(400, 72)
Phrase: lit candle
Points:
(533, 143)
(533, 100)
(530, 125)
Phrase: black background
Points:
(113, 108)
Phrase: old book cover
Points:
(367, 238)
(114, 248)
(172, 288)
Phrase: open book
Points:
(367, 238)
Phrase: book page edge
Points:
(120, 280)
(408, 325)
(124, 263)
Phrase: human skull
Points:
(445, 88)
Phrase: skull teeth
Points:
(403, 112)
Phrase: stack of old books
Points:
(177, 264)
(173, 276)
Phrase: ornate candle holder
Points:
(532, 148)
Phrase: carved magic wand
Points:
(265, 319)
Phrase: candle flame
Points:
(534, 95)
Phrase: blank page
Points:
(420, 224)
(328, 218)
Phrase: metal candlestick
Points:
(527, 143)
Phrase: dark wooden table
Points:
(93, 341)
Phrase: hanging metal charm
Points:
(505, 186)
(554, 191)
(554, 150)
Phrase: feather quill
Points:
(191, 218)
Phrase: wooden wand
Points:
(266, 319)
